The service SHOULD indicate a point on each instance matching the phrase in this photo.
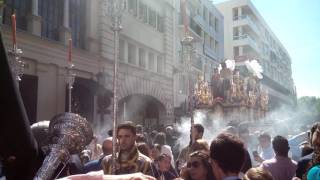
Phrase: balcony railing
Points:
(249, 39)
(250, 21)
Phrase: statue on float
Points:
(202, 92)
(236, 89)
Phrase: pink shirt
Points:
(281, 168)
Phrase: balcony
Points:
(244, 40)
(210, 52)
(246, 20)
(204, 25)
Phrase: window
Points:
(205, 13)
(142, 58)
(159, 64)
(143, 12)
(77, 14)
(211, 20)
(206, 39)
(152, 18)
(121, 50)
(132, 7)
(216, 26)
(51, 13)
(235, 13)
(212, 43)
(22, 8)
(131, 54)
(159, 23)
(151, 62)
(236, 51)
(216, 46)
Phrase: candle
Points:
(70, 49)
(14, 29)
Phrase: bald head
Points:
(107, 146)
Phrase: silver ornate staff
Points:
(114, 10)
(16, 63)
(70, 75)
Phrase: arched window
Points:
(22, 8)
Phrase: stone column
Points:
(65, 31)
(34, 20)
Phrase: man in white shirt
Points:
(265, 151)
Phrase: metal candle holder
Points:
(70, 76)
(16, 63)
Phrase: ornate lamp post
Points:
(114, 10)
(187, 52)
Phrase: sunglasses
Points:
(194, 164)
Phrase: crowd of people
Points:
(235, 153)
(231, 155)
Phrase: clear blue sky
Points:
(296, 23)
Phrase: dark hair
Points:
(199, 128)
(127, 125)
(160, 138)
(139, 129)
(228, 152)
(205, 161)
(144, 149)
(313, 129)
(141, 138)
(280, 146)
(306, 150)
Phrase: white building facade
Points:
(248, 36)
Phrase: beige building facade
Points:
(149, 87)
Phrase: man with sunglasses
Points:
(227, 155)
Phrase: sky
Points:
(296, 23)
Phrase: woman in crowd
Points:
(163, 169)
(166, 149)
(198, 167)
(155, 151)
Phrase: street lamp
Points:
(114, 10)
